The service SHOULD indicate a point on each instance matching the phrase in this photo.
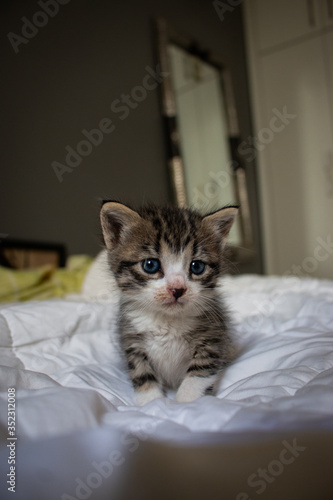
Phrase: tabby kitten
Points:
(173, 326)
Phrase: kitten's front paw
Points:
(193, 388)
(187, 393)
(187, 396)
(144, 397)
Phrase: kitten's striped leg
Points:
(201, 377)
(143, 379)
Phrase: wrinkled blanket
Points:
(63, 360)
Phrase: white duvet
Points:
(62, 358)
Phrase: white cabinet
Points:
(296, 164)
(296, 159)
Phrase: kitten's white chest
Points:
(170, 355)
(166, 346)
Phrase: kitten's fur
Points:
(173, 326)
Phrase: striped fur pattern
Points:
(173, 326)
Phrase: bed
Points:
(79, 434)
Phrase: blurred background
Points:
(77, 126)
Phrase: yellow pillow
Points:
(44, 282)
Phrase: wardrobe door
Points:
(278, 22)
(294, 161)
(326, 7)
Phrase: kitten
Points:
(172, 323)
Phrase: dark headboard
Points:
(22, 254)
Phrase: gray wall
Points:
(63, 81)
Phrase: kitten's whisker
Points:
(210, 308)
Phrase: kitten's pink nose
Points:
(177, 292)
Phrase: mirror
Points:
(202, 133)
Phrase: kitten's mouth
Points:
(174, 303)
(167, 302)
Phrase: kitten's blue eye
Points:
(151, 266)
(197, 266)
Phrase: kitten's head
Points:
(166, 259)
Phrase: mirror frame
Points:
(167, 35)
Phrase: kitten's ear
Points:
(116, 219)
(220, 222)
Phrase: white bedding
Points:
(62, 358)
